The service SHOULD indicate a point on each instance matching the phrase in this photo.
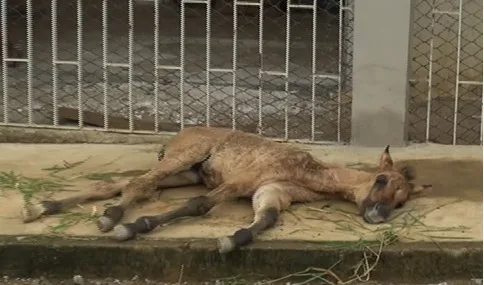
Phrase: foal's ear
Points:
(419, 189)
(386, 161)
(408, 172)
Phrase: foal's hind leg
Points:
(113, 214)
(99, 191)
(144, 186)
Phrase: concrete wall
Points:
(380, 70)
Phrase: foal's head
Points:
(389, 189)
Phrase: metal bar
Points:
(168, 67)
(328, 76)
(156, 35)
(465, 82)
(234, 62)
(224, 70)
(130, 61)
(4, 62)
(66, 62)
(55, 55)
(193, 2)
(457, 74)
(245, 3)
(207, 64)
(30, 58)
(79, 63)
(313, 71)
(429, 91)
(298, 6)
(12, 59)
(340, 69)
(182, 64)
(286, 69)
(435, 11)
(261, 63)
(105, 63)
(118, 64)
(275, 73)
(482, 121)
(281, 73)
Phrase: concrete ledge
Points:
(45, 135)
(162, 259)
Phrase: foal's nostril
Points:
(377, 207)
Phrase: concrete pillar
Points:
(381, 57)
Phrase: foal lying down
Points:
(234, 164)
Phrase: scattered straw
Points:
(362, 270)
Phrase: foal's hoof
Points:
(226, 244)
(105, 224)
(124, 232)
(31, 212)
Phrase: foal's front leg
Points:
(268, 202)
(196, 206)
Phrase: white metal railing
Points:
(79, 62)
(458, 15)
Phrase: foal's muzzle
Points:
(377, 213)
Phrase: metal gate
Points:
(278, 68)
(446, 101)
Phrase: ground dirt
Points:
(452, 211)
(138, 281)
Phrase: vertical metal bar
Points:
(105, 62)
(207, 65)
(79, 63)
(30, 43)
(4, 62)
(155, 59)
(182, 64)
(431, 59)
(313, 72)
(482, 118)
(261, 61)
(234, 62)
(55, 56)
(457, 74)
(286, 70)
(340, 67)
(130, 61)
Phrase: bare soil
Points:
(139, 281)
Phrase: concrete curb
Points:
(53, 136)
(162, 259)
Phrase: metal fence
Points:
(260, 66)
(274, 67)
(446, 101)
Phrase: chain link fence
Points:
(275, 67)
(446, 95)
